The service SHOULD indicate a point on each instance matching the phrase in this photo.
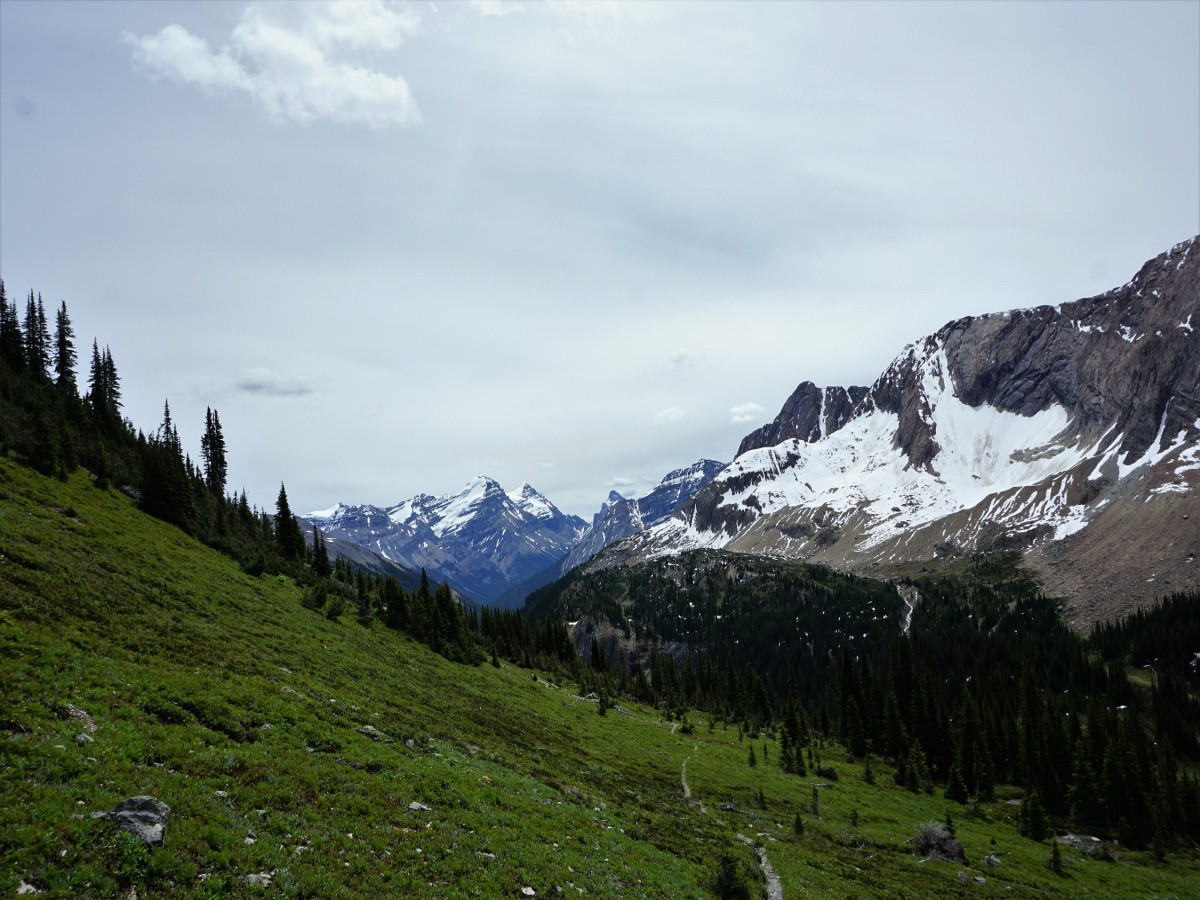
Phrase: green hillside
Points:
(216, 692)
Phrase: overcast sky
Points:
(399, 245)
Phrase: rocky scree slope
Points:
(1070, 432)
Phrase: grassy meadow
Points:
(217, 693)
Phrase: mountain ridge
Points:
(480, 539)
(1011, 429)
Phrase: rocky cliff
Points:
(1045, 430)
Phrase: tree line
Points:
(46, 422)
(988, 685)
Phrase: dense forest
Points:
(983, 685)
(986, 686)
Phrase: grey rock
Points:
(143, 816)
(418, 807)
(1124, 364)
(375, 734)
(76, 714)
(810, 414)
(620, 517)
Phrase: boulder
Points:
(143, 816)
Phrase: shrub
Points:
(933, 841)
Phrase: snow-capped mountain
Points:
(620, 517)
(1070, 432)
(482, 539)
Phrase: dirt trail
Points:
(687, 791)
(774, 885)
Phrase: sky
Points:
(397, 245)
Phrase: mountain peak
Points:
(1066, 432)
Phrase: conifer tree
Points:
(1031, 821)
(37, 340)
(956, 788)
(320, 564)
(112, 386)
(288, 535)
(104, 387)
(12, 341)
(212, 451)
(64, 352)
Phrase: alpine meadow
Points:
(599, 448)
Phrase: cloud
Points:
(269, 383)
(603, 17)
(683, 359)
(745, 412)
(620, 481)
(670, 414)
(497, 7)
(280, 55)
(546, 465)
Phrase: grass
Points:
(218, 694)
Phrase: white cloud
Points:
(546, 465)
(270, 383)
(281, 55)
(604, 17)
(618, 481)
(745, 412)
(497, 7)
(670, 414)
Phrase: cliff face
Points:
(1127, 360)
(809, 414)
(1022, 430)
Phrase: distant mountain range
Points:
(1070, 433)
(481, 539)
(494, 546)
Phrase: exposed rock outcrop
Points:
(1018, 430)
(142, 816)
(809, 414)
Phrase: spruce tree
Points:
(212, 451)
(12, 341)
(64, 353)
(321, 565)
(956, 788)
(112, 386)
(1031, 821)
(37, 340)
(288, 535)
(1055, 862)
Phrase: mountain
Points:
(1069, 432)
(620, 517)
(362, 559)
(482, 540)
